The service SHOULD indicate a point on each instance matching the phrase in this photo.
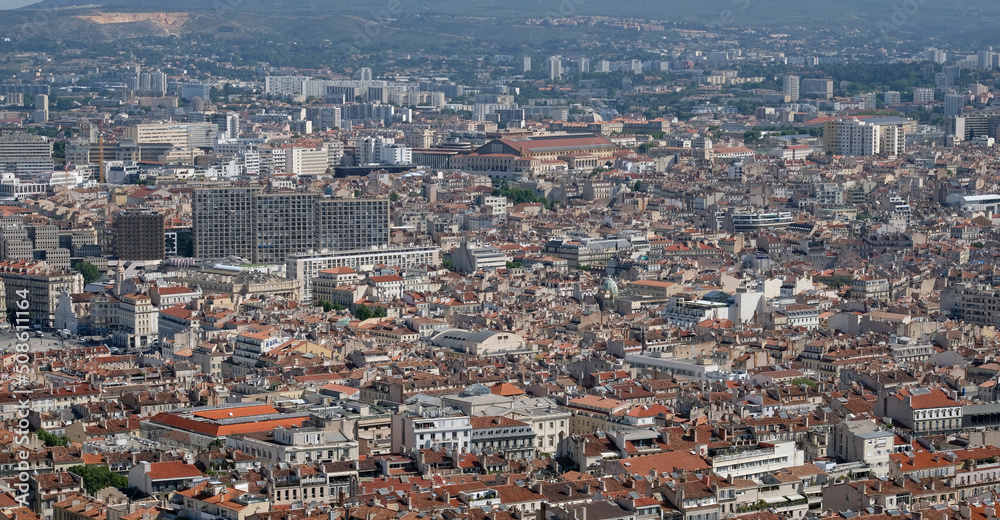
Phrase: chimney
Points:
(965, 511)
(583, 513)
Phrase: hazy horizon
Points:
(14, 4)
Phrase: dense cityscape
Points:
(419, 262)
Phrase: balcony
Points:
(742, 454)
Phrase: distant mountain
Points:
(436, 22)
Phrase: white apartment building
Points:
(23, 153)
(306, 266)
(195, 135)
(429, 429)
(249, 346)
(307, 161)
(138, 322)
(297, 446)
(855, 137)
(755, 463)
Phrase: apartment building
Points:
(138, 322)
(758, 461)
(925, 411)
(195, 135)
(857, 137)
(284, 223)
(304, 267)
(352, 224)
(223, 219)
(269, 227)
(297, 445)
(139, 235)
(43, 282)
(22, 153)
(431, 428)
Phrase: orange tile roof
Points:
(172, 471)
(245, 411)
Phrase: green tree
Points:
(97, 477)
(327, 305)
(448, 263)
(514, 265)
(751, 136)
(52, 440)
(393, 197)
(89, 271)
(364, 312)
(379, 312)
(804, 381)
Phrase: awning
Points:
(775, 500)
(794, 497)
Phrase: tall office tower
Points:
(145, 81)
(893, 97)
(352, 224)
(984, 59)
(604, 66)
(228, 124)
(868, 101)
(158, 83)
(943, 81)
(584, 65)
(139, 235)
(285, 223)
(935, 55)
(953, 104)
(365, 74)
(190, 91)
(555, 67)
(22, 153)
(223, 219)
(817, 87)
(41, 108)
(790, 87)
(526, 64)
(923, 95)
